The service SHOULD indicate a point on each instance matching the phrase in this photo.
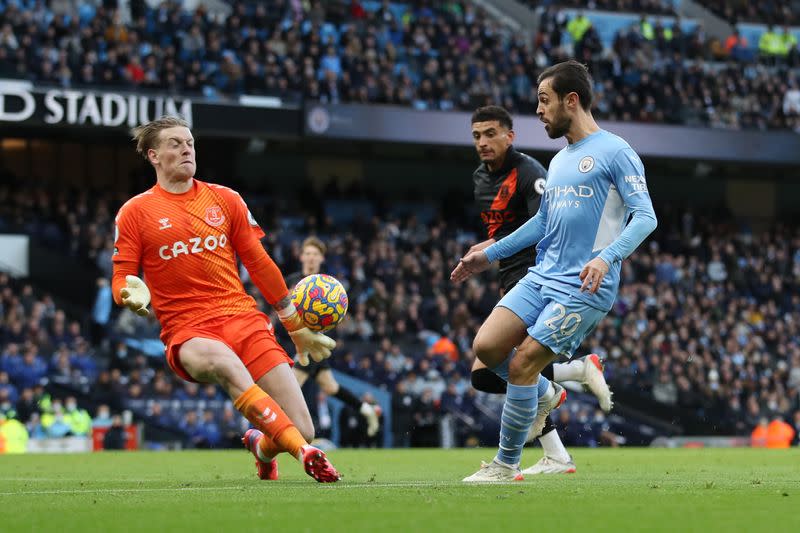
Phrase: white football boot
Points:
(546, 404)
(594, 380)
(548, 465)
(495, 472)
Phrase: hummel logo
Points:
(164, 223)
(268, 416)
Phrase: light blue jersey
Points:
(593, 187)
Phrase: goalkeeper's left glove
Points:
(135, 295)
(307, 342)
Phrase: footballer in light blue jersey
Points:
(595, 211)
(593, 188)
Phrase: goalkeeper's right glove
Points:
(135, 295)
(307, 342)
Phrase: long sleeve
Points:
(122, 269)
(127, 250)
(628, 174)
(265, 274)
(525, 236)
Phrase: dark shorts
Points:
(508, 278)
(313, 368)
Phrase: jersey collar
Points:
(184, 196)
(508, 163)
(575, 146)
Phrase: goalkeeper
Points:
(184, 235)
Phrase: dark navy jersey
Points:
(507, 198)
(293, 279)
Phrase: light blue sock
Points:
(544, 384)
(502, 369)
(519, 411)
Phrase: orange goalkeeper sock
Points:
(265, 414)
(267, 449)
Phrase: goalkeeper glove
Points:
(307, 342)
(135, 295)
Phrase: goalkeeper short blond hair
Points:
(147, 135)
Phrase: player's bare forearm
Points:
(481, 245)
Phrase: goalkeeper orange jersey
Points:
(186, 245)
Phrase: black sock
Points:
(548, 372)
(485, 380)
(348, 397)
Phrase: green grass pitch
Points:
(402, 490)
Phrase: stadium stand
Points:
(652, 7)
(703, 348)
(425, 55)
(766, 11)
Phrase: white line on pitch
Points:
(86, 480)
(104, 489)
(342, 486)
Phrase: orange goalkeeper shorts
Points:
(249, 335)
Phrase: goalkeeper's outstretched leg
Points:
(271, 405)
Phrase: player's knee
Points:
(327, 383)
(329, 388)
(486, 352)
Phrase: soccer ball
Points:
(321, 301)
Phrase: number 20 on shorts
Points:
(561, 323)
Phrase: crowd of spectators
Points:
(652, 7)
(764, 11)
(430, 55)
(74, 223)
(657, 73)
(707, 320)
(40, 345)
(707, 316)
(733, 11)
(46, 364)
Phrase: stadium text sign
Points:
(20, 103)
